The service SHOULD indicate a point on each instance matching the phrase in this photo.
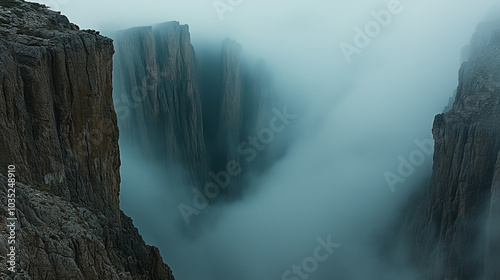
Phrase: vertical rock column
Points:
(230, 117)
(157, 96)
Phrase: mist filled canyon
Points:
(256, 140)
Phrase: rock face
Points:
(58, 239)
(181, 113)
(157, 95)
(454, 224)
(231, 115)
(59, 128)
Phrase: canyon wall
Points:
(58, 126)
(157, 96)
(182, 113)
(453, 224)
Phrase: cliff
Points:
(231, 115)
(157, 96)
(453, 224)
(59, 128)
(182, 113)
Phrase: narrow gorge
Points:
(240, 166)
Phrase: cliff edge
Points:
(59, 129)
(454, 224)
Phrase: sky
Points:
(364, 79)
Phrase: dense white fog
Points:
(363, 105)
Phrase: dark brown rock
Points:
(55, 105)
(59, 128)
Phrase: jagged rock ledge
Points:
(58, 239)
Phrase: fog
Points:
(357, 116)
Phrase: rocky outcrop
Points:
(189, 116)
(246, 102)
(59, 128)
(157, 95)
(58, 239)
(454, 224)
(54, 86)
(231, 115)
(259, 99)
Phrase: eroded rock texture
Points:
(454, 223)
(189, 116)
(58, 239)
(59, 128)
(158, 102)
